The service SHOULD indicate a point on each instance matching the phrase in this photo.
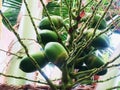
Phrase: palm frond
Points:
(12, 3)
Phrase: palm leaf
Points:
(12, 3)
(11, 14)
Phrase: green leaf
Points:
(11, 14)
(12, 3)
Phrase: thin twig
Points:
(79, 6)
(87, 22)
(86, 77)
(91, 38)
(32, 21)
(11, 53)
(105, 65)
(66, 3)
(70, 15)
(40, 42)
(101, 81)
(29, 39)
(5, 75)
(33, 17)
(98, 23)
(83, 72)
(113, 65)
(112, 88)
(86, 5)
(70, 33)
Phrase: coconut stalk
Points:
(26, 30)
